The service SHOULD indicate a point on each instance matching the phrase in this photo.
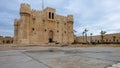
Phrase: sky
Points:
(94, 15)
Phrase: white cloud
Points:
(95, 15)
(6, 32)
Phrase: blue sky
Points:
(95, 15)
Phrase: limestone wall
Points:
(43, 27)
(110, 38)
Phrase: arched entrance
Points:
(50, 36)
(3, 41)
(8, 41)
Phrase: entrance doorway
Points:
(51, 36)
(50, 40)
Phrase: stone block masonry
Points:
(42, 27)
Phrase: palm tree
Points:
(86, 34)
(75, 36)
(74, 31)
(91, 37)
(83, 35)
(102, 35)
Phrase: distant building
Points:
(6, 40)
(42, 27)
(108, 38)
(1, 39)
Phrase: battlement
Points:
(25, 8)
(35, 11)
(70, 18)
(25, 4)
(16, 22)
(50, 9)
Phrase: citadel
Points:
(44, 39)
(42, 27)
(35, 27)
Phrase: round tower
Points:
(70, 22)
(15, 31)
(25, 8)
(70, 18)
(15, 22)
(25, 12)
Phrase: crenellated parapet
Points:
(49, 9)
(16, 22)
(70, 18)
(35, 12)
(25, 8)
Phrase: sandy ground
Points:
(58, 57)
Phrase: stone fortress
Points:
(47, 27)
(42, 27)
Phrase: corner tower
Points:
(25, 12)
(16, 25)
(70, 22)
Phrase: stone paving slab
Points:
(16, 59)
(53, 57)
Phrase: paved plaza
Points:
(60, 57)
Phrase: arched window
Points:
(12, 41)
(106, 40)
(33, 29)
(109, 40)
(57, 30)
(117, 40)
(52, 15)
(45, 30)
(49, 15)
(34, 20)
(3, 41)
(65, 32)
(8, 41)
(51, 36)
(98, 41)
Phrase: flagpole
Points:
(42, 4)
